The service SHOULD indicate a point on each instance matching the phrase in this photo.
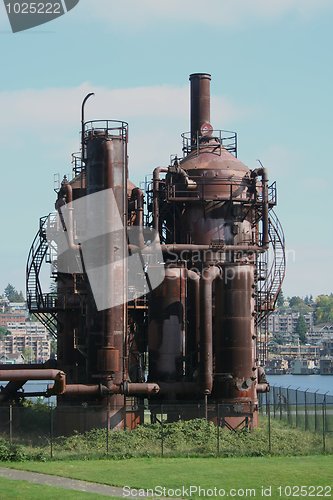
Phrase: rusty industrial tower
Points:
(200, 335)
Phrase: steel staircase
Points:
(275, 264)
(42, 305)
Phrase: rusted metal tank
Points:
(194, 337)
(166, 331)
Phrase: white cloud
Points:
(135, 15)
(62, 105)
(156, 116)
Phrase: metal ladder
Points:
(269, 288)
(41, 305)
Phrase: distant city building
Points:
(326, 366)
(327, 349)
(27, 327)
(303, 366)
(298, 351)
(17, 306)
(320, 333)
(285, 323)
(26, 337)
(38, 346)
(277, 366)
(12, 317)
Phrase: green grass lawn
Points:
(227, 473)
(11, 489)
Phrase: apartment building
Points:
(285, 323)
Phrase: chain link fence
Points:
(290, 422)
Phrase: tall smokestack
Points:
(200, 105)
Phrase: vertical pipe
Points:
(264, 203)
(195, 281)
(137, 195)
(235, 358)
(209, 274)
(156, 187)
(265, 224)
(200, 103)
(116, 179)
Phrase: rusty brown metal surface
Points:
(200, 102)
(193, 338)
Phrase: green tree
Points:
(296, 301)
(280, 300)
(53, 349)
(3, 332)
(297, 304)
(324, 309)
(28, 354)
(12, 294)
(301, 329)
(9, 291)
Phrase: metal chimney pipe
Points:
(200, 103)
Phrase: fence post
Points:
(288, 408)
(10, 424)
(324, 422)
(269, 428)
(323, 416)
(280, 402)
(218, 430)
(274, 403)
(305, 410)
(162, 435)
(107, 426)
(315, 403)
(296, 402)
(51, 432)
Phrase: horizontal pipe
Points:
(98, 390)
(180, 247)
(138, 389)
(58, 376)
(189, 247)
(76, 390)
(43, 374)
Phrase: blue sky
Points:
(271, 82)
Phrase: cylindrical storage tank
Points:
(105, 257)
(166, 331)
(223, 184)
(234, 338)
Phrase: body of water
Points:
(320, 383)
